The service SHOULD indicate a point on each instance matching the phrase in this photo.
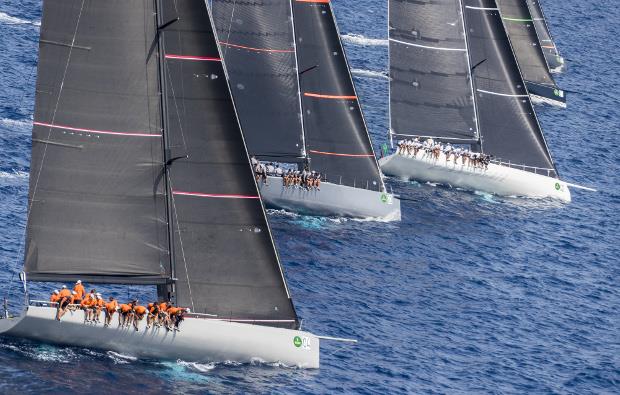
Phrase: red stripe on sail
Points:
(338, 154)
(189, 57)
(133, 134)
(319, 96)
(257, 49)
(214, 195)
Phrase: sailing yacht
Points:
(299, 108)
(455, 79)
(528, 50)
(139, 175)
(554, 60)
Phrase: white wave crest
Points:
(12, 20)
(359, 39)
(18, 124)
(370, 74)
(119, 358)
(201, 367)
(14, 175)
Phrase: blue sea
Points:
(470, 293)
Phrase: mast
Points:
(301, 110)
(470, 75)
(165, 292)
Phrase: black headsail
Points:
(509, 128)
(96, 200)
(527, 49)
(257, 43)
(554, 60)
(337, 140)
(430, 88)
(225, 260)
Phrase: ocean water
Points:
(470, 293)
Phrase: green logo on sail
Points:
(557, 186)
(297, 341)
(384, 197)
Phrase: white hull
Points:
(199, 340)
(331, 200)
(497, 179)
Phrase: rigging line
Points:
(174, 98)
(427, 46)
(49, 133)
(232, 15)
(176, 220)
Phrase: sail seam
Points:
(428, 46)
(215, 195)
(256, 49)
(320, 96)
(340, 154)
(482, 8)
(191, 57)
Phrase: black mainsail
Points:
(257, 42)
(132, 186)
(552, 55)
(427, 44)
(429, 71)
(337, 140)
(527, 48)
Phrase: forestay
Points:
(337, 140)
(96, 201)
(429, 71)
(225, 260)
(508, 125)
(257, 44)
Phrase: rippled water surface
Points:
(469, 294)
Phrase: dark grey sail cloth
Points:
(429, 71)
(96, 203)
(508, 125)
(257, 41)
(225, 260)
(337, 141)
(524, 39)
(544, 34)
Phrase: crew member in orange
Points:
(99, 305)
(126, 317)
(110, 309)
(55, 297)
(65, 299)
(87, 305)
(176, 316)
(151, 318)
(139, 313)
(81, 292)
(163, 315)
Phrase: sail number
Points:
(302, 342)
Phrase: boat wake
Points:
(120, 359)
(12, 20)
(380, 75)
(359, 39)
(199, 367)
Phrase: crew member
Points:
(81, 292)
(55, 296)
(65, 299)
(99, 305)
(139, 313)
(126, 314)
(152, 318)
(110, 309)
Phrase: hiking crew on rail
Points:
(158, 314)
